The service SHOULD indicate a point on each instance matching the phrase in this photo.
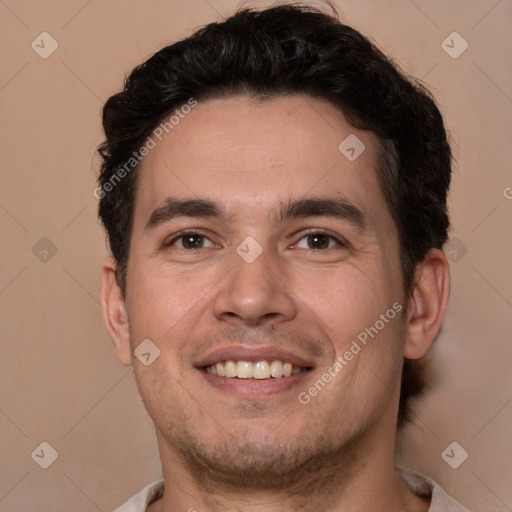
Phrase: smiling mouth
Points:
(254, 370)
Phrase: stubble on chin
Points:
(301, 466)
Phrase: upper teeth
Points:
(260, 370)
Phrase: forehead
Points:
(251, 155)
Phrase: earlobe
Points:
(114, 311)
(427, 303)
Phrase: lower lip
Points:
(255, 387)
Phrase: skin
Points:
(223, 451)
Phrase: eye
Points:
(188, 241)
(319, 241)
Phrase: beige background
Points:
(60, 379)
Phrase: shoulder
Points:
(423, 486)
(140, 501)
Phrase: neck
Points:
(340, 482)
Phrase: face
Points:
(258, 248)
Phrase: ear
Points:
(114, 311)
(427, 303)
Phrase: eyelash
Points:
(182, 235)
(339, 242)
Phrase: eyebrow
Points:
(339, 208)
(173, 207)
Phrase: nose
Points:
(254, 293)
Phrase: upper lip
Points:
(252, 354)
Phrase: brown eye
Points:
(190, 241)
(319, 241)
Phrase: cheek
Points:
(348, 304)
(164, 309)
(164, 298)
(162, 393)
(346, 300)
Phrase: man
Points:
(274, 194)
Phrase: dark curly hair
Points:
(284, 50)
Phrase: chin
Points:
(257, 461)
